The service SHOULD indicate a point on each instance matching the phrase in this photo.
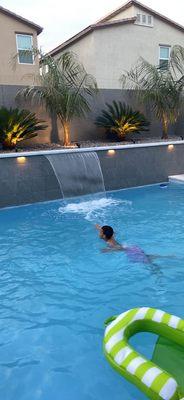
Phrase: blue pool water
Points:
(57, 288)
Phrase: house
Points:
(19, 65)
(115, 42)
(18, 38)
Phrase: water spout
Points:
(77, 173)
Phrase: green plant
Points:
(17, 125)
(119, 119)
(65, 89)
(161, 89)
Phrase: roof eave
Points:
(102, 23)
(72, 40)
(115, 12)
(145, 8)
(31, 24)
(88, 30)
(158, 15)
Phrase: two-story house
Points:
(19, 61)
(115, 42)
(18, 38)
(113, 45)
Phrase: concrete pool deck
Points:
(177, 178)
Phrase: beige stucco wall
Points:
(84, 49)
(128, 13)
(107, 52)
(11, 72)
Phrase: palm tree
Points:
(161, 89)
(65, 89)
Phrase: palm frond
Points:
(17, 125)
(161, 89)
(65, 87)
(121, 120)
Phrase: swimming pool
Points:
(57, 288)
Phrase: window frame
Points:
(149, 18)
(19, 49)
(144, 17)
(146, 20)
(138, 18)
(164, 59)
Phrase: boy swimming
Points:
(134, 253)
(106, 233)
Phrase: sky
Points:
(63, 19)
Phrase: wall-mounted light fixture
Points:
(21, 160)
(170, 147)
(111, 152)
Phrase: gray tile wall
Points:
(140, 166)
(35, 181)
(85, 129)
(30, 182)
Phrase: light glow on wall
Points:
(21, 160)
(170, 147)
(111, 153)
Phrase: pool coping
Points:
(89, 149)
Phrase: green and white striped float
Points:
(156, 383)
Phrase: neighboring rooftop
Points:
(104, 22)
(25, 21)
(89, 29)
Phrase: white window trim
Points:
(24, 34)
(164, 59)
(140, 23)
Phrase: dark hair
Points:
(107, 231)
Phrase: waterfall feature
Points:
(77, 173)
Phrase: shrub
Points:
(17, 125)
(119, 119)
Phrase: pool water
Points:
(57, 288)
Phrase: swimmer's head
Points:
(106, 232)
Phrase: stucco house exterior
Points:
(18, 37)
(19, 65)
(114, 43)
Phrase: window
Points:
(164, 57)
(149, 20)
(144, 19)
(25, 48)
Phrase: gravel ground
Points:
(59, 146)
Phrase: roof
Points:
(146, 9)
(104, 23)
(89, 29)
(25, 21)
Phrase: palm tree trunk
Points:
(165, 126)
(8, 144)
(66, 129)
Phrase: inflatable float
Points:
(162, 378)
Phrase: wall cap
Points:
(88, 149)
